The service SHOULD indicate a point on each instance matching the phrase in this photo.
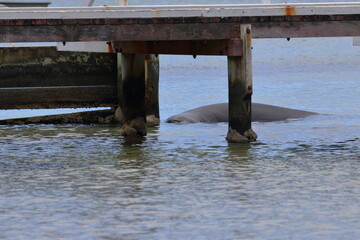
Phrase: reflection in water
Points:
(239, 151)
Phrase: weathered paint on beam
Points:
(232, 47)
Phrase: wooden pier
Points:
(137, 31)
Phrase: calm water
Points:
(300, 180)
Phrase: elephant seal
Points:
(215, 113)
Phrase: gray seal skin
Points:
(215, 113)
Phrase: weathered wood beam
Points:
(132, 95)
(152, 71)
(231, 47)
(240, 91)
(46, 67)
(161, 23)
(60, 97)
(306, 29)
(87, 31)
(89, 117)
(72, 30)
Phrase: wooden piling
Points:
(240, 91)
(132, 95)
(152, 89)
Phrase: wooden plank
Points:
(306, 29)
(183, 11)
(45, 67)
(69, 97)
(125, 32)
(232, 47)
(240, 91)
(177, 29)
(176, 20)
(36, 77)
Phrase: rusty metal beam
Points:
(231, 47)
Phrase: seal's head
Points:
(183, 118)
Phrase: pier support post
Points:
(132, 95)
(240, 91)
(152, 89)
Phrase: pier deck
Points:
(147, 23)
(192, 29)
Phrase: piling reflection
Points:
(239, 151)
(132, 154)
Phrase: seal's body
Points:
(215, 113)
